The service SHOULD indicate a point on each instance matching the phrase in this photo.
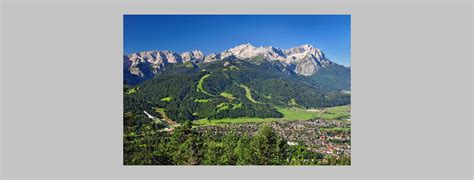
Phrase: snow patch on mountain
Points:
(304, 60)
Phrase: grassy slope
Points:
(166, 99)
(202, 100)
(188, 64)
(200, 88)
(336, 113)
(248, 94)
(131, 91)
(228, 96)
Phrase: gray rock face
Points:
(306, 59)
(212, 57)
(193, 56)
(303, 60)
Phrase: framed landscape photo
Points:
(237, 90)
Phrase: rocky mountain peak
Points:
(306, 46)
(193, 56)
(303, 60)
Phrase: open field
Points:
(289, 114)
(335, 113)
(232, 120)
(297, 114)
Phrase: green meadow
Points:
(289, 114)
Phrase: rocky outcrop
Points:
(303, 60)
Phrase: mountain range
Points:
(244, 81)
(303, 60)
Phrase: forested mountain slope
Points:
(252, 87)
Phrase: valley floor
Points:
(310, 136)
(325, 131)
(328, 137)
(289, 114)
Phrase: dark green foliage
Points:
(268, 148)
(269, 85)
(248, 110)
(252, 91)
(334, 76)
(185, 146)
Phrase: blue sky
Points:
(216, 33)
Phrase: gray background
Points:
(61, 91)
